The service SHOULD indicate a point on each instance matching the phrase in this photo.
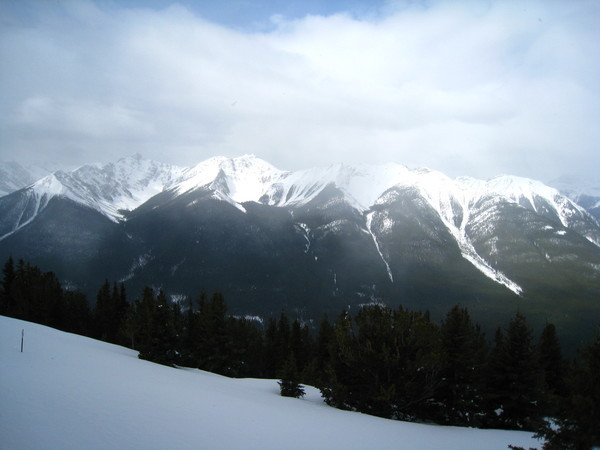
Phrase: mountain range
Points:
(318, 240)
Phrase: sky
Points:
(467, 88)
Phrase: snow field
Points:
(66, 391)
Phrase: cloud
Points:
(463, 87)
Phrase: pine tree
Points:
(213, 345)
(514, 379)
(341, 377)
(163, 341)
(271, 351)
(577, 424)
(289, 384)
(119, 312)
(77, 315)
(245, 348)
(282, 339)
(321, 362)
(158, 335)
(554, 368)
(103, 314)
(143, 321)
(421, 352)
(388, 367)
(464, 357)
(6, 300)
(300, 345)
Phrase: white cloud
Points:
(474, 89)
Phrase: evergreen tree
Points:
(103, 314)
(110, 313)
(28, 293)
(164, 338)
(282, 341)
(271, 349)
(577, 426)
(514, 379)
(245, 348)
(143, 321)
(131, 326)
(121, 309)
(554, 369)
(321, 361)
(36, 296)
(6, 301)
(289, 384)
(389, 367)
(192, 333)
(420, 350)
(77, 316)
(300, 345)
(464, 358)
(341, 380)
(213, 345)
(158, 334)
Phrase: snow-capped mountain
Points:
(455, 201)
(110, 189)
(314, 240)
(585, 193)
(13, 177)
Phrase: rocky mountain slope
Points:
(316, 240)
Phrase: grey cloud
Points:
(469, 90)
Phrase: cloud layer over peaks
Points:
(468, 88)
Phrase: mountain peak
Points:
(246, 177)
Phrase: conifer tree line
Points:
(387, 362)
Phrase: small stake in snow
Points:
(22, 337)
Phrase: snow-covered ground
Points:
(66, 391)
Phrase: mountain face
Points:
(13, 177)
(582, 192)
(314, 241)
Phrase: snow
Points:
(516, 188)
(130, 182)
(246, 178)
(361, 184)
(41, 193)
(369, 224)
(49, 186)
(108, 189)
(66, 391)
(453, 200)
(138, 263)
(305, 228)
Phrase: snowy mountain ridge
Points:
(126, 184)
(109, 189)
(251, 179)
(116, 188)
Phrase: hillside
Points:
(67, 391)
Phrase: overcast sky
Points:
(468, 88)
